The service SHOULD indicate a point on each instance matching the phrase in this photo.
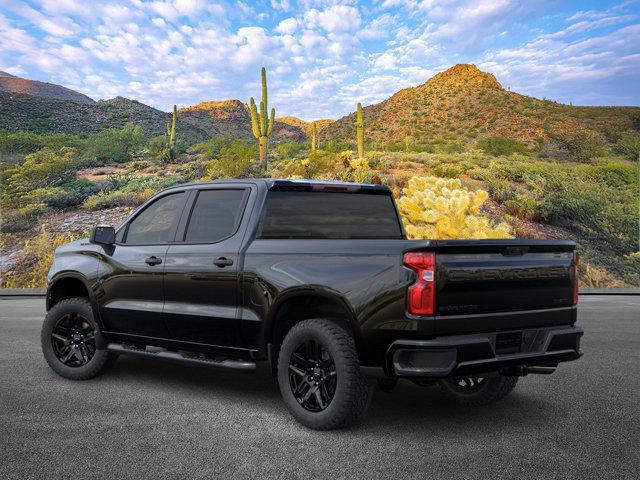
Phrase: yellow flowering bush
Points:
(440, 208)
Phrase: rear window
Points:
(329, 215)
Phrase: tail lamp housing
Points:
(576, 262)
(421, 294)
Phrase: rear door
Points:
(201, 269)
(131, 297)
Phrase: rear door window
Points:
(215, 215)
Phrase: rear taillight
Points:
(421, 294)
(576, 262)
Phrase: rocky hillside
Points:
(12, 84)
(232, 118)
(305, 126)
(20, 111)
(46, 108)
(464, 103)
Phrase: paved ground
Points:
(155, 420)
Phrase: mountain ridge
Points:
(18, 85)
(464, 103)
(457, 105)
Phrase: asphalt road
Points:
(145, 419)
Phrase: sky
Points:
(322, 57)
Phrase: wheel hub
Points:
(73, 340)
(312, 376)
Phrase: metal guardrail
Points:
(40, 292)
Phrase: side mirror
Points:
(103, 235)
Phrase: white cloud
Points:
(287, 26)
(56, 26)
(338, 51)
(280, 5)
(335, 19)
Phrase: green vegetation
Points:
(498, 146)
(313, 139)
(629, 146)
(170, 147)
(232, 160)
(360, 131)
(116, 145)
(27, 142)
(261, 126)
(582, 146)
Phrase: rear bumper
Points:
(483, 353)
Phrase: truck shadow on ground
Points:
(408, 407)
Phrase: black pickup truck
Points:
(318, 280)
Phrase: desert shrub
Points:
(452, 147)
(232, 160)
(523, 206)
(40, 125)
(212, 147)
(358, 171)
(115, 199)
(23, 218)
(116, 145)
(319, 164)
(597, 200)
(582, 146)
(289, 150)
(39, 255)
(629, 146)
(67, 195)
(336, 146)
(116, 182)
(438, 208)
(188, 172)
(447, 170)
(157, 145)
(498, 146)
(594, 277)
(43, 169)
(28, 142)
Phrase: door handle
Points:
(153, 261)
(223, 262)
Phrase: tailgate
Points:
(503, 276)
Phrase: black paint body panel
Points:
(187, 302)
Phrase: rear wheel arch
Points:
(294, 307)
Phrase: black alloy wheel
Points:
(73, 339)
(312, 376)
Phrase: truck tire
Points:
(319, 376)
(476, 391)
(70, 343)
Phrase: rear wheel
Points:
(69, 341)
(475, 391)
(319, 376)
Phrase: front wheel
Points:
(319, 376)
(69, 341)
(476, 391)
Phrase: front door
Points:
(131, 297)
(201, 269)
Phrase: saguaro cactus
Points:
(260, 124)
(360, 132)
(314, 138)
(171, 136)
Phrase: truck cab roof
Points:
(300, 184)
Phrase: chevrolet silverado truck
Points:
(318, 280)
